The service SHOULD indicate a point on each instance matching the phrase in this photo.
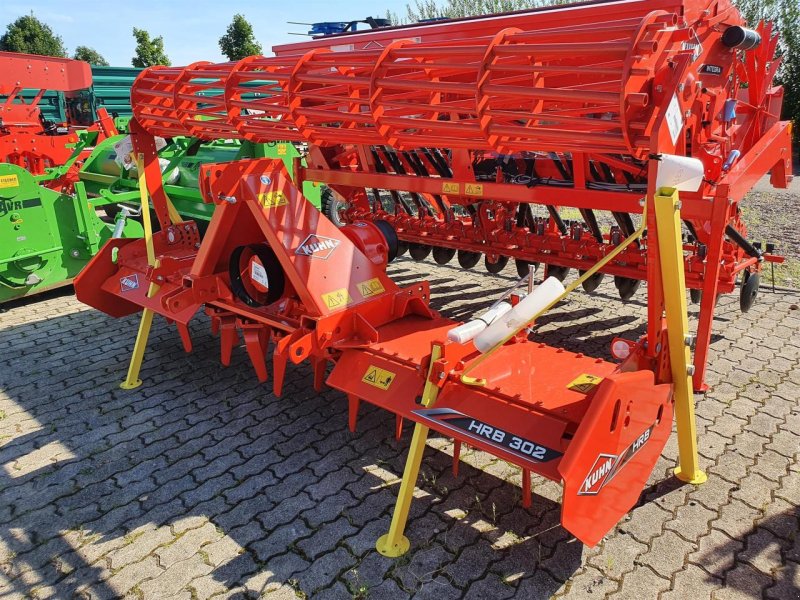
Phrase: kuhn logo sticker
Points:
(317, 246)
(129, 282)
(606, 466)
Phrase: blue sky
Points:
(190, 28)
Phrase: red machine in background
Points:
(26, 138)
(468, 126)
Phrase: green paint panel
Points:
(46, 237)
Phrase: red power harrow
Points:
(26, 140)
(593, 104)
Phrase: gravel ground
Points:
(768, 214)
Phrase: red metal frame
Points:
(414, 110)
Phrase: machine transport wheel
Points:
(442, 256)
(402, 247)
(257, 278)
(419, 251)
(495, 267)
(559, 273)
(695, 296)
(523, 266)
(593, 282)
(626, 286)
(467, 260)
(749, 290)
(333, 206)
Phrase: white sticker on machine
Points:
(259, 274)
(674, 118)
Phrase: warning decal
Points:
(371, 287)
(337, 299)
(451, 188)
(9, 181)
(129, 282)
(473, 189)
(273, 199)
(379, 378)
(584, 383)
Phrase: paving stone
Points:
(241, 494)
(692, 582)
(640, 583)
(743, 582)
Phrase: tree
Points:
(149, 52)
(89, 55)
(453, 9)
(785, 14)
(28, 34)
(239, 40)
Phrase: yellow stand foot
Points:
(132, 385)
(392, 550)
(699, 476)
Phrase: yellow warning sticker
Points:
(451, 188)
(379, 378)
(9, 181)
(281, 149)
(371, 287)
(273, 199)
(584, 383)
(337, 299)
(473, 189)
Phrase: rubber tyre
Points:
(333, 206)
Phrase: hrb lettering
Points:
(487, 431)
(641, 441)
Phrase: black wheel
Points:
(749, 290)
(419, 251)
(626, 286)
(442, 256)
(495, 267)
(695, 296)
(390, 235)
(593, 282)
(402, 247)
(257, 278)
(333, 207)
(467, 260)
(523, 266)
(559, 273)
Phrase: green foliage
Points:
(785, 14)
(432, 9)
(89, 55)
(239, 40)
(149, 52)
(28, 34)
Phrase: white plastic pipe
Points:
(467, 331)
(550, 289)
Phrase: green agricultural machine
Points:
(47, 236)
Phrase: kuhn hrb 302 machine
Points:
(641, 104)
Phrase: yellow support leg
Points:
(670, 246)
(394, 543)
(132, 379)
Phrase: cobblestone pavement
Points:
(201, 483)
